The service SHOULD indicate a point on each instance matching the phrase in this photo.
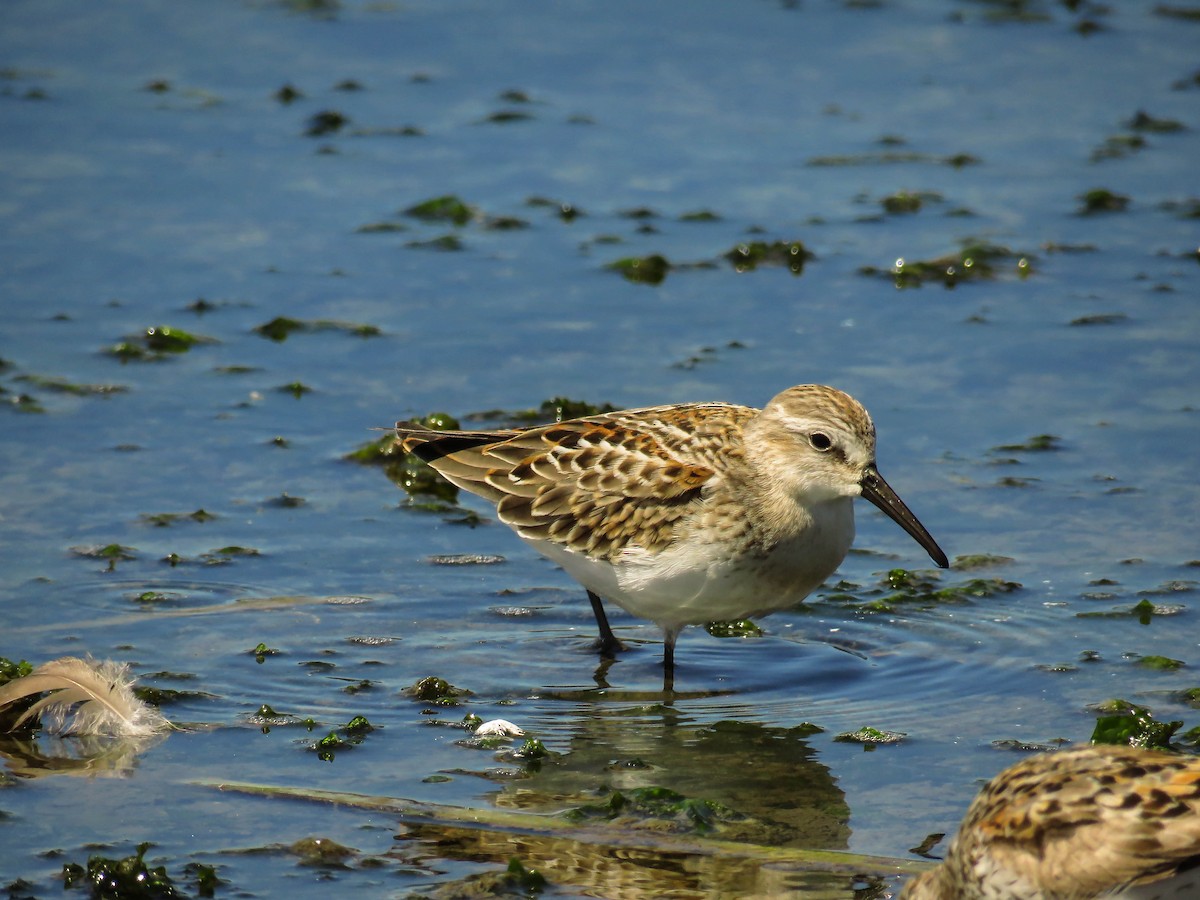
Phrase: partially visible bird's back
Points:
(1102, 821)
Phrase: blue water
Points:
(121, 205)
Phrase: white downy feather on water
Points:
(84, 696)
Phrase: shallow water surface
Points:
(217, 172)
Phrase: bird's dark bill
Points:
(879, 492)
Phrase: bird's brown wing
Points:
(596, 484)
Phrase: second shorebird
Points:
(683, 514)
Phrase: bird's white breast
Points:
(702, 579)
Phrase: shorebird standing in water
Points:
(683, 514)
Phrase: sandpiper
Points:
(1102, 821)
(683, 514)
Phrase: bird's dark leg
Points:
(608, 644)
(669, 659)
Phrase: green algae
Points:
(749, 256)
(156, 343)
(64, 386)
(1143, 121)
(296, 388)
(890, 157)
(128, 878)
(560, 409)
(1039, 443)
(657, 808)
(976, 261)
(437, 691)
(381, 228)
(326, 122)
(1122, 722)
(870, 737)
(735, 628)
(446, 243)
(506, 116)
(346, 737)
(513, 880)
(1160, 663)
(446, 208)
(163, 520)
(1118, 146)
(650, 269)
(1101, 200)
(1100, 319)
(426, 489)
(23, 403)
(973, 561)
(1184, 13)
(903, 202)
(1144, 611)
(110, 553)
(281, 327)
(902, 587)
(321, 852)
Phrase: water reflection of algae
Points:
(739, 766)
(611, 861)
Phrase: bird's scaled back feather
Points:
(1082, 823)
(597, 484)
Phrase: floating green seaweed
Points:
(447, 208)
(156, 343)
(446, 243)
(650, 269)
(325, 122)
(346, 737)
(972, 561)
(903, 202)
(659, 808)
(162, 520)
(437, 691)
(559, 409)
(423, 485)
(1160, 663)
(734, 628)
(111, 553)
(129, 877)
(1039, 443)
(976, 261)
(1100, 319)
(748, 256)
(891, 157)
(506, 116)
(1186, 13)
(902, 587)
(1128, 723)
(281, 327)
(63, 386)
(1144, 611)
(1101, 200)
(870, 736)
(296, 388)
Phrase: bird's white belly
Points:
(696, 582)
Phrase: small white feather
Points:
(84, 696)
(498, 728)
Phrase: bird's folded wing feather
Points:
(597, 484)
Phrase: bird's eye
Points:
(820, 441)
